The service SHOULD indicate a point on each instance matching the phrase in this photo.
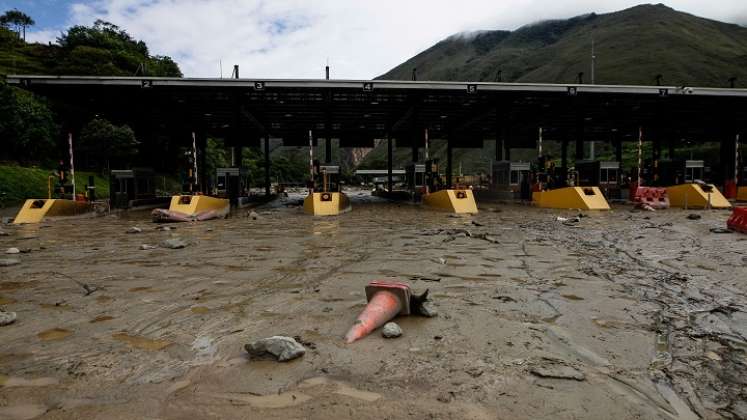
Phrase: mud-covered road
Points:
(620, 316)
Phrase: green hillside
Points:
(633, 46)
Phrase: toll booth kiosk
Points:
(326, 197)
(508, 176)
(229, 183)
(422, 178)
(694, 170)
(134, 188)
(605, 175)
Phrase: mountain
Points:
(632, 46)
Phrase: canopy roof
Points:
(358, 111)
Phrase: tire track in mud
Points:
(682, 298)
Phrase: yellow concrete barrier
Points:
(742, 194)
(34, 211)
(192, 205)
(583, 198)
(455, 201)
(697, 196)
(326, 203)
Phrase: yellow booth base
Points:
(455, 201)
(192, 205)
(696, 196)
(583, 198)
(34, 211)
(326, 204)
(742, 194)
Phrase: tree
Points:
(27, 126)
(102, 141)
(18, 19)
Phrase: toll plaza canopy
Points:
(244, 111)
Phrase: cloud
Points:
(361, 39)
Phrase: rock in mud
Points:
(428, 310)
(134, 229)
(4, 233)
(391, 330)
(174, 243)
(13, 251)
(7, 318)
(283, 348)
(164, 228)
(557, 371)
(146, 247)
(7, 262)
(694, 217)
(253, 215)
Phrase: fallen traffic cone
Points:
(385, 301)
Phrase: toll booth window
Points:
(603, 176)
(514, 177)
(612, 176)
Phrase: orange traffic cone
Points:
(385, 301)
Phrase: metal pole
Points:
(267, 165)
(194, 156)
(448, 162)
(72, 161)
(539, 142)
(640, 153)
(311, 161)
(426, 144)
(390, 182)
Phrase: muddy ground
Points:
(620, 316)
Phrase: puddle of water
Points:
(341, 388)
(141, 342)
(15, 285)
(200, 310)
(284, 400)
(10, 382)
(104, 299)
(6, 301)
(54, 334)
(101, 318)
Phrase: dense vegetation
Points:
(632, 46)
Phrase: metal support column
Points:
(389, 149)
(564, 162)
(267, 166)
(448, 162)
(202, 159)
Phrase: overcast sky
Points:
(295, 38)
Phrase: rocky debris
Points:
(557, 370)
(4, 233)
(391, 330)
(478, 224)
(13, 251)
(7, 262)
(720, 230)
(486, 237)
(174, 243)
(164, 228)
(282, 348)
(694, 216)
(134, 229)
(569, 221)
(7, 318)
(146, 247)
(252, 215)
(428, 310)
